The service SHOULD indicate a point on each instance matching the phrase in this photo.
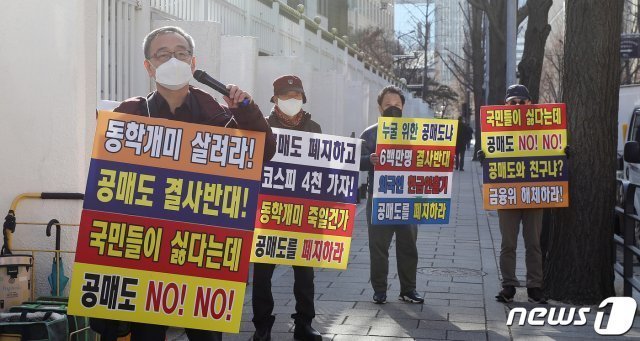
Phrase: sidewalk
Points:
(457, 274)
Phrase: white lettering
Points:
(538, 320)
(512, 314)
(623, 310)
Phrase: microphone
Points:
(204, 78)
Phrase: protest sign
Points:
(306, 207)
(525, 165)
(167, 223)
(413, 179)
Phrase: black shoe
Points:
(506, 294)
(412, 297)
(263, 329)
(536, 296)
(462, 170)
(305, 332)
(380, 297)
(262, 335)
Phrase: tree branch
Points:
(523, 13)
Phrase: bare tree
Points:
(535, 38)
(416, 70)
(552, 71)
(579, 263)
(373, 42)
(469, 68)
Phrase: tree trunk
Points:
(579, 265)
(535, 38)
(477, 55)
(497, 51)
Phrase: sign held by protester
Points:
(413, 179)
(167, 223)
(525, 166)
(306, 206)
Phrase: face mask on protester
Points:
(392, 112)
(290, 106)
(173, 74)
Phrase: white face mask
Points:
(173, 74)
(290, 106)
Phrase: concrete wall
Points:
(48, 96)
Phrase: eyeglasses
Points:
(514, 102)
(163, 56)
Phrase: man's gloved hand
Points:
(481, 155)
(567, 152)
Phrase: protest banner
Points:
(413, 180)
(525, 165)
(167, 223)
(306, 206)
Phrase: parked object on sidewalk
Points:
(631, 166)
(57, 279)
(26, 260)
(77, 326)
(36, 326)
(15, 280)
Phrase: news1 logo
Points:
(623, 310)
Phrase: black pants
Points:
(262, 299)
(380, 237)
(460, 158)
(151, 332)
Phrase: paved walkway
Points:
(458, 275)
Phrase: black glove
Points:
(481, 155)
(567, 152)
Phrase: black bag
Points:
(38, 326)
(76, 324)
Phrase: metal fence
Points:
(627, 219)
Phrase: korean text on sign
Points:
(306, 206)
(526, 166)
(167, 223)
(412, 181)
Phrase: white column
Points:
(141, 81)
(512, 12)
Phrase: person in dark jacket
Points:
(287, 113)
(169, 60)
(464, 135)
(390, 104)
(510, 221)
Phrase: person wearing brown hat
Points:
(287, 113)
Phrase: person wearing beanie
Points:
(509, 221)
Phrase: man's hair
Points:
(390, 89)
(146, 43)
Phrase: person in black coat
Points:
(287, 113)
